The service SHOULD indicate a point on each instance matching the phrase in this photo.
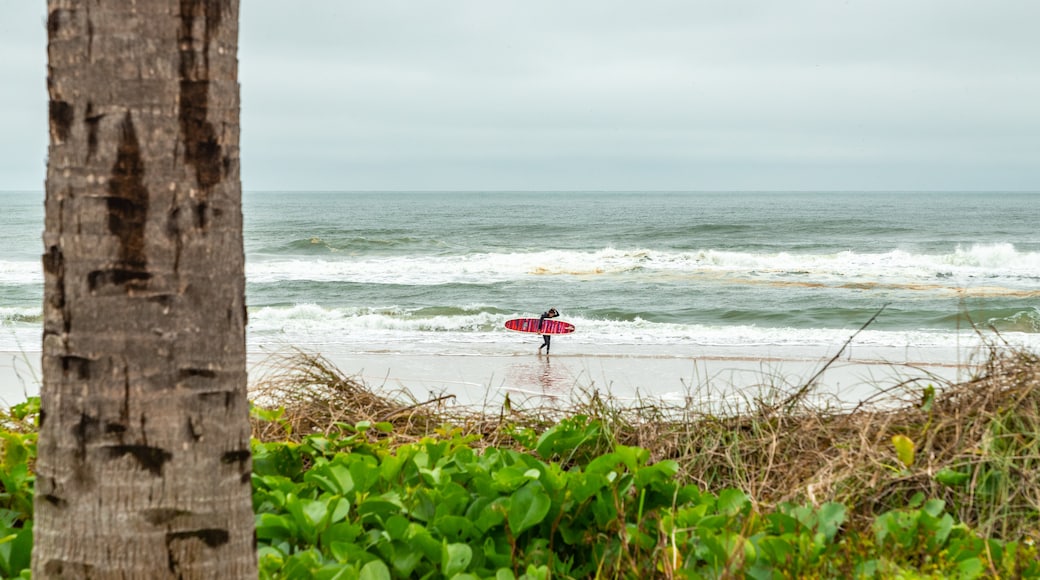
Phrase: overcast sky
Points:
(607, 95)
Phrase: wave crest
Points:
(995, 264)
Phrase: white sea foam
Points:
(9, 314)
(313, 325)
(963, 267)
(24, 272)
(986, 268)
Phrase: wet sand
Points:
(19, 376)
(722, 379)
(717, 383)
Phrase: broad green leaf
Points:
(916, 500)
(633, 457)
(302, 564)
(7, 517)
(510, 478)
(781, 523)
(805, 514)
(933, 507)
(269, 556)
(378, 507)
(493, 514)
(584, 485)
(721, 547)
(432, 477)
(351, 552)
(281, 459)
(496, 552)
(424, 504)
(16, 550)
(952, 477)
(689, 516)
(565, 437)
(970, 568)
(528, 507)
(317, 443)
(452, 499)
(14, 451)
(405, 561)
(273, 527)
(421, 539)
(831, 515)
(732, 502)
(396, 527)
(391, 467)
(714, 523)
(375, 570)
(656, 474)
(455, 528)
(332, 477)
(603, 464)
(941, 530)
(314, 510)
(778, 549)
(760, 572)
(866, 569)
(341, 532)
(337, 571)
(904, 449)
(455, 559)
(338, 509)
(364, 471)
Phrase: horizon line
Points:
(713, 190)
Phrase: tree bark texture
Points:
(144, 463)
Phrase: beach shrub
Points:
(17, 457)
(437, 508)
(354, 504)
(932, 481)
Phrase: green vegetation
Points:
(926, 482)
(17, 456)
(366, 508)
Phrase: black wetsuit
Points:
(545, 337)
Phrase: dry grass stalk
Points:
(783, 446)
(317, 397)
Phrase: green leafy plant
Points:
(360, 500)
(17, 456)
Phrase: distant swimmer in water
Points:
(551, 313)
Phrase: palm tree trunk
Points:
(144, 464)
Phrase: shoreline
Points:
(715, 378)
(714, 383)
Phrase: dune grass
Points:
(974, 444)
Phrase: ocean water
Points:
(657, 274)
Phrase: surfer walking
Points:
(550, 313)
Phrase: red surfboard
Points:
(549, 326)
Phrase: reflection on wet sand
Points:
(538, 378)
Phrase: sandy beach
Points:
(19, 376)
(716, 378)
